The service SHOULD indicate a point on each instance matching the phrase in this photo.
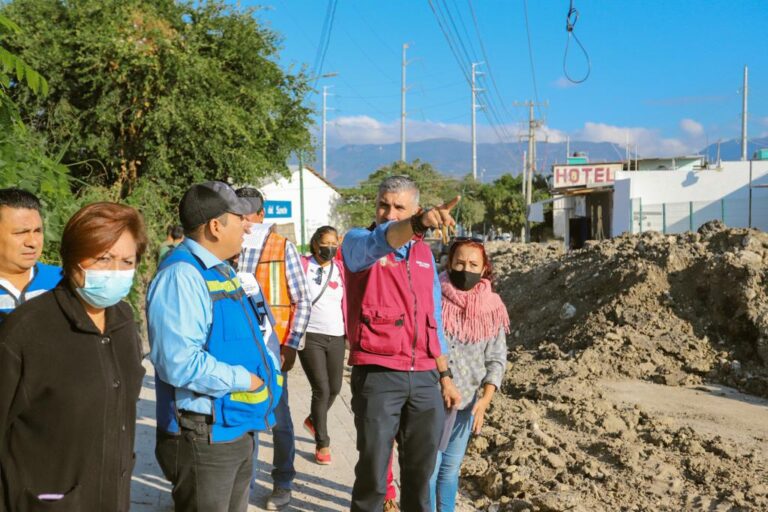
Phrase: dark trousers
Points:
(390, 404)
(323, 362)
(284, 442)
(206, 477)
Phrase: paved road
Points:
(316, 488)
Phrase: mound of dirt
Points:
(671, 310)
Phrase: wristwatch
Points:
(418, 227)
(447, 373)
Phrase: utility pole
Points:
(403, 90)
(531, 167)
(475, 106)
(525, 169)
(718, 152)
(325, 138)
(530, 164)
(744, 117)
(567, 148)
(325, 119)
(626, 145)
(303, 236)
(525, 178)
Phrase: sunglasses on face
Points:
(319, 277)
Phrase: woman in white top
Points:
(323, 355)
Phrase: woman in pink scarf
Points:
(476, 323)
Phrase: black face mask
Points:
(464, 280)
(326, 253)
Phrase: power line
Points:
(570, 23)
(487, 60)
(451, 38)
(472, 57)
(444, 29)
(530, 57)
(374, 32)
(490, 101)
(325, 39)
(369, 58)
(491, 106)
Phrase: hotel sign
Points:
(592, 175)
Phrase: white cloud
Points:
(367, 130)
(650, 142)
(691, 127)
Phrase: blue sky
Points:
(668, 73)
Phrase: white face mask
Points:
(104, 288)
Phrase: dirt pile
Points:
(648, 311)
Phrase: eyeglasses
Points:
(319, 277)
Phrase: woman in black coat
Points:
(70, 375)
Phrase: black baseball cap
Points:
(206, 201)
(254, 198)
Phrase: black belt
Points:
(196, 416)
(199, 423)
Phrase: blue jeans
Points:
(284, 443)
(444, 483)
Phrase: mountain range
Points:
(350, 164)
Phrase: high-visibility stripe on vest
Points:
(270, 273)
(235, 339)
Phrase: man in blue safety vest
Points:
(217, 381)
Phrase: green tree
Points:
(471, 211)
(159, 91)
(505, 203)
(24, 161)
(13, 71)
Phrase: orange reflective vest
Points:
(270, 273)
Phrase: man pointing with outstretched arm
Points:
(397, 348)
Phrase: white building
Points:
(672, 195)
(283, 197)
(734, 192)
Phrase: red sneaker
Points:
(322, 459)
(309, 427)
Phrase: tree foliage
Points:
(13, 71)
(23, 158)
(144, 98)
(158, 91)
(505, 203)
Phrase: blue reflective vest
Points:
(235, 338)
(46, 278)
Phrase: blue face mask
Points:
(104, 288)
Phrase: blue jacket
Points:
(234, 338)
(46, 278)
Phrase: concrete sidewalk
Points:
(316, 488)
